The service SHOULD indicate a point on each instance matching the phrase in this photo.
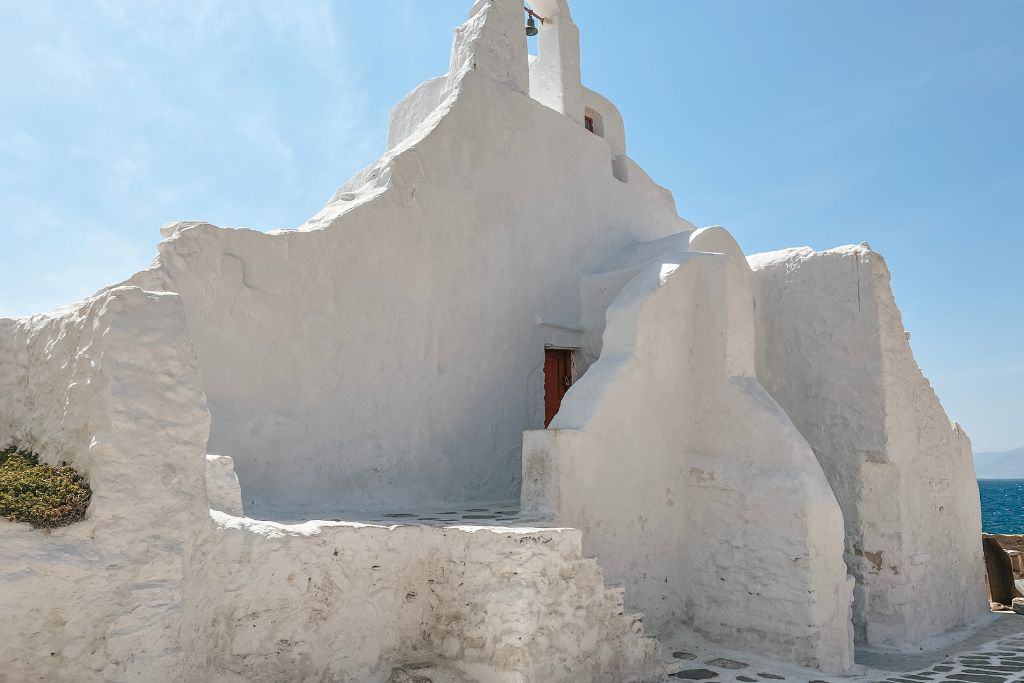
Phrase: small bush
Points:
(42, 495)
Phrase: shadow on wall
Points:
(669, 443)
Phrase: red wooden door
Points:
(557, 380)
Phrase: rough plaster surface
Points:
(149, 588)
(147, 584)
(222, 489)
(414, 108)
(833, 351)
(391, 349)
(111, 386)
(689, 482)
(382, 373)
(346, 602)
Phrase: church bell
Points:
(531, 26)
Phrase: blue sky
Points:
(789, 122)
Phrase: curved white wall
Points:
(414, 108)
(833, 352)
(612, 128)
(391, 351)
(690, 483)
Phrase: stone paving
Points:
(473, 514)
(993, 655)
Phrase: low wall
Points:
(110, 386)
(349, 602)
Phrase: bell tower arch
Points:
(555, 73)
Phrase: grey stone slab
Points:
(975, 678)
(726, 663)
(696, 674)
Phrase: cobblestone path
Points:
(996, 659)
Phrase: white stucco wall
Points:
(833, 352)
(345, 602)
(110, 386)
(691, 485)
(612, 127)
(389, 353)
(154, 587)
(414, 108)
(392, 349)
(222, 489)
(555, 74)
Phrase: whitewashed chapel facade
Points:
(538, 405)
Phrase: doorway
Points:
(557, 380)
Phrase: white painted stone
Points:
(390, 352)
(691, 486)
(555, 73)
(110, 386)
(222, 489)
(323, 601)
(356, 345)
(832, 351)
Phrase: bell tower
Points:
(555, 73)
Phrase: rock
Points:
(1016, 560)
(222, 490)
(402, 676)
(696, 674)
(169, 229)
(1000, 572)
(727, 664)
(1018, 605)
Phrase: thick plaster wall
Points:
(152, 586)
(555, 74)
(691, 485)
(392, 349)
(833, 352)
(110, 386)
(346, 602)
(414, 108)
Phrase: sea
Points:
(1002, 506)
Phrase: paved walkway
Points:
(994, 654)
(503, 513)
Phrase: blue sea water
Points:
(1002, 506)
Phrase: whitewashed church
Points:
(482, 438)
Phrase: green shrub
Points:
(42, 495)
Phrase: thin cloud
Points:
(127, 115)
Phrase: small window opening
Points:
(593, 122)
